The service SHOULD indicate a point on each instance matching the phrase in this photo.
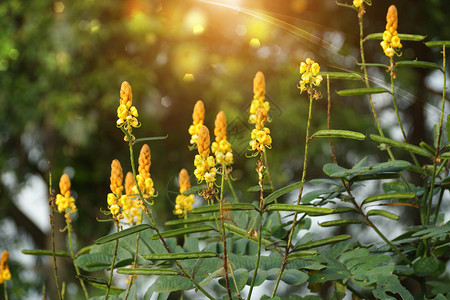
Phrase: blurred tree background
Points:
(62, 63)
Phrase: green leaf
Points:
(362, 91)
(425, 266)
(179, 256)
(417, 64)
(401, 145)
(341, 75)
(402, 36)
(121, 234)
(339, 133)
(373, 65)
(308, 197)
(147, 139)
(183, 231)
(390, 283)
(340, 222)
(190, 220)
(334, 170)
(146, 271)
(294, 277)
(94, 262)
(382, 213)
(447, 127)
(241, 276)
(278, 193)
(302, 254)
(300, 208)
(322, 242)
(165, 284)
(261, 277)
(388, 196)
(438, 44)
(226, 207)
(45, 252)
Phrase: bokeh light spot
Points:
(188, 77)
(255, 43)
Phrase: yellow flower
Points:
(391, 41)
(203, 162)
(259, 93)
(144, 181)
(198, 117)
(64, 201)
(183, 202)
(126, 113)
(221, 147)
(309, 71)
(357, 3)
(5, 274)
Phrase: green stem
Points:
(72, 256)
(223, 237)
(231, 187)
(5, 291)
(294, 222)
(52, 226)
(116, 247)
(395, 103)
(271, 184)
(329, 119)
(258, 257)
(153, 223)
(134, 265)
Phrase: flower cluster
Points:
(143, 178)
(203, 162)
(198, 117)
(116, 179)
(391, 41)
(221, 147)
(183, 202)
(64, 201)
(127, 114)
(309, 71)
(5, 274)
(259, 96)
(358, 3)
(123, 205)
(260, 136)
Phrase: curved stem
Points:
(116, 247)
(231, 187)
(77, 270)
(294, 222)
(222, 234)
(134, 265)
(395, 103)
(329, 119)
(258, 257)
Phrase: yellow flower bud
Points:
(144, 161)
(315, 68)
(199, 113)
(203, 142)
(116, 178)
(357, 3)
(183, 180)
(220, 130)
(395, 42)
(259, 86)
(125, 94)
(129, 183)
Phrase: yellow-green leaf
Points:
(438, 44)
(121, 234)
(179, 256)
(301, 209)
(347, 134)
(382, 213)
(146, 271)
(183, 231)
(362, 91)
(340, 222)
(388, 196)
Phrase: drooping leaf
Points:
(147, 271)
(341, 75)
(190, 220)
(165, 284)
(278, 193)
(301, 209)
(340, 222)
(45, 252)
(390, 283)
(294, 277)
(322, 242)
(94, 262)
(183, 231)
(347, 134)
(241, 276)
(243, 233)
(334, 170)
(225, 207)
(121, 234)
(438, 44)
(400, 145)
(417, 64)
(362, 91)
(179, 256)
(383, 213)
(388, 196)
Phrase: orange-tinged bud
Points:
(64, 185)
(259, 86)
(199, 112)
(125, 94)
(116, 177)
(183, 180)
(220, 131)
(144, 161)
(203, 142)
(392, 17)
(129, 183)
